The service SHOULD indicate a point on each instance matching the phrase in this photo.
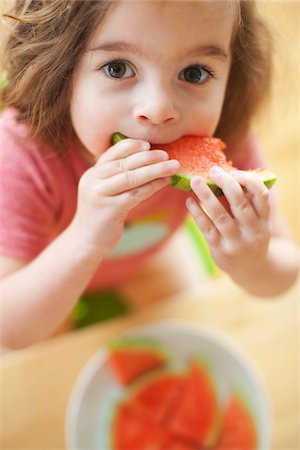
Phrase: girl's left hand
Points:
(238, 242)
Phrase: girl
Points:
(155, 71)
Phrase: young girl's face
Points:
(155, 70)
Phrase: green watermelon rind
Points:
(138, 343)
(183, 181)
(151, 376)
(117, 137)
(245, 400)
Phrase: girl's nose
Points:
(156, 107)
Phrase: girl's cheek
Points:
(204, 120)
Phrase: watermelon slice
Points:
(129, 358)
(158, 396)
(133, 431)
(197, 420)
(238, 432)
(196, 156)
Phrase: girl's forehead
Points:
(136, 18)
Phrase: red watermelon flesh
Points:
(197, 420)
(198, 154)
(131, 358)
(175, 443)
(159, 398)
(238, 432)
(133, 431)
(170, 411)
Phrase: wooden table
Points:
(36, 383)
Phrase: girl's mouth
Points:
(155, 140)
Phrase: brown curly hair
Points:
(47, 38)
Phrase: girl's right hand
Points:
(125, 175)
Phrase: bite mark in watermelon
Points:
(196, 156)
(238, 431)
(130, 358)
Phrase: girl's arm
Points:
(278, 271)
(36, 297)
(273, 274)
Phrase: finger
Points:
(207, 227)
(135, 196)
(260, 194)
(131, 162)
(222, 220)
(122, 149)
(241, 208)
(132, 179)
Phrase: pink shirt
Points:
(38, 195)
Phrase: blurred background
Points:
(279, 126)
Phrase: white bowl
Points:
(96, 389)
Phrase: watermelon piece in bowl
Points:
(134, 431)
(238, 429)
(196, 155)
(130, 358)
(97, 395)
(198, 418)
(158, 395)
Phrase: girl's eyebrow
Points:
(213, 51)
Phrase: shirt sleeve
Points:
(27, 204)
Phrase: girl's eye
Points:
(118, 69)
(195, 74)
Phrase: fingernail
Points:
(216, 170)
(163, 156)
(190, 202)
(174, 164)
(145, 145)
(198, 181)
